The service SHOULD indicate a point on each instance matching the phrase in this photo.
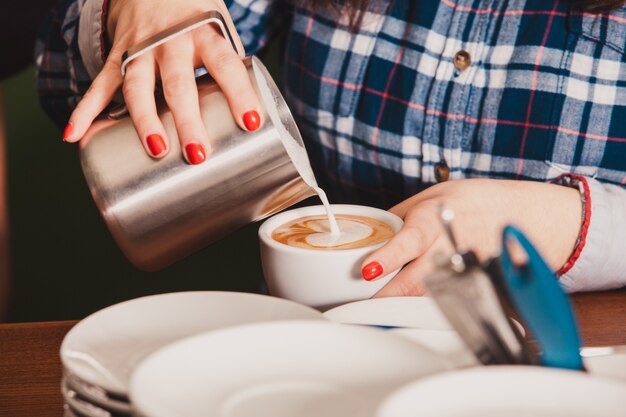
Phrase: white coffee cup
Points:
(320, 278)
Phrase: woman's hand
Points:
(131, 21)
(550, 215)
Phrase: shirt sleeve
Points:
(601, 264)
(61, 75)
(71, 51)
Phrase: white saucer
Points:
(512, 391)
(104, 348)
(280, 369)
(413, 312)
(607, 362)
(416, 318)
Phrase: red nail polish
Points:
(252, 120)
(156, 144)
(372, 270)
(195, 153)
(68, 131)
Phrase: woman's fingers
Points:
(408, 282)
(139, 96)
(230, 73)
(175, 61)
(179, 87)
(96, 99)
(421, 229)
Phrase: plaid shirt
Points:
(383, 108)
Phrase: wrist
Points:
(551, 216)
(580, 184)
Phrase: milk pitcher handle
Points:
(181, 28)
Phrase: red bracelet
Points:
(579, 182)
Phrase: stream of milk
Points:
(350, 231)
(296, 151)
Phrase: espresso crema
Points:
(313, 232)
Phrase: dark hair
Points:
(598, 6)
(355, 7)
(591, 5)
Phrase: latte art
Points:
(313, 232)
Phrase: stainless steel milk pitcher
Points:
(160, 211)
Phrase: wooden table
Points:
(30, 370)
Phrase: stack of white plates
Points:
(224, 354)
(280, 369)
(101, 352)
(86, 400)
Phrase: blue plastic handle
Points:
(542, 304)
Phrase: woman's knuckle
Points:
(412, 241)
(225, 61)
(174, 51)
(175, 85)
(206, 33)
(409, 286)
(129, 89)
(115, 57)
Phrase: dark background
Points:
(64, 263)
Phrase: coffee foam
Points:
(314, 232)
(349, 231)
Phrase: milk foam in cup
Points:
(321, 278)
(313, 232)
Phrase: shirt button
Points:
(442, 171)
(462, 60)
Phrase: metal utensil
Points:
(160, 211)
(467, 297)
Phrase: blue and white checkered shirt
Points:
(519, 89)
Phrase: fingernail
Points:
(195, 153)
(372, 270)
(252, 120)
(68, 131)
(156, 144)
